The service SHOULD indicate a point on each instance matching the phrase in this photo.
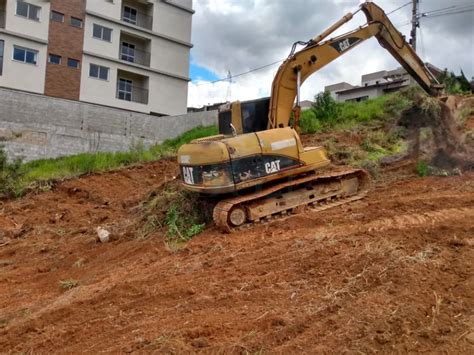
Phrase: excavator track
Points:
(321, 190)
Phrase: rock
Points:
(103, 234)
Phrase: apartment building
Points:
(129, 54)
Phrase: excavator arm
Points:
(316, 54)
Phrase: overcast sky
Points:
(240, 35)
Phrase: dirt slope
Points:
(392, 272)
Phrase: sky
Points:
(241, 35)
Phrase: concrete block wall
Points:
(34, 126)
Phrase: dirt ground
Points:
(391, 273)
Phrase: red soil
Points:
(390, 273)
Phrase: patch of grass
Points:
(328, 115)
(195, 133)
(16, 178)
(178, 213)
(10, 173)
(422, 168)
(68, 284)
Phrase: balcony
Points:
(134, 49)
(138, 14)
(132, 87)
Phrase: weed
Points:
(180, 214)
(422, 168)
(181, 226)
(79, 262)
(9, 175)
(68, 284)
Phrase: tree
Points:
(325, 107)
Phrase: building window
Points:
(102, 33)
(125, 88)
(73, 63)
(57, 16)
(2, 43)
(129, 15)
(99, 72)
(27, 10)
(76, 22)
(25, 55)
(128, 52)
(54, 59)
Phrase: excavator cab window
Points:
(225, 119)
(254, 116)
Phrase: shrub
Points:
(325, 108)
(422, 168)
(309, 123)
(9, 175)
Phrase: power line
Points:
(399, 8)
(240, 74)
(451, 8)
(448, 13)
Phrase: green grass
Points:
(345, 115)
(422, 168)
(195, 133)
(180, 214)
(372, 121)
(39, 172)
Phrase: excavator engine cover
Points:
(220, 165)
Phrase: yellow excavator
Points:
(257, 166)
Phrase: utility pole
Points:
(229, 86)
(414, 23)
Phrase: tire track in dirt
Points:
(425, 219)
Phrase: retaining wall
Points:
(34, 126)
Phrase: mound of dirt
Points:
(435, 135)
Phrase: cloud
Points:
(239, 35)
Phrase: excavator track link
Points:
(321, 191)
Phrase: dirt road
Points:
(393, 272)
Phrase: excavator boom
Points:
(302, 64)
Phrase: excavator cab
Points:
(244, 117)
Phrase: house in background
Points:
(375, 84)
(129, 54)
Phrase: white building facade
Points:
(132, 54)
